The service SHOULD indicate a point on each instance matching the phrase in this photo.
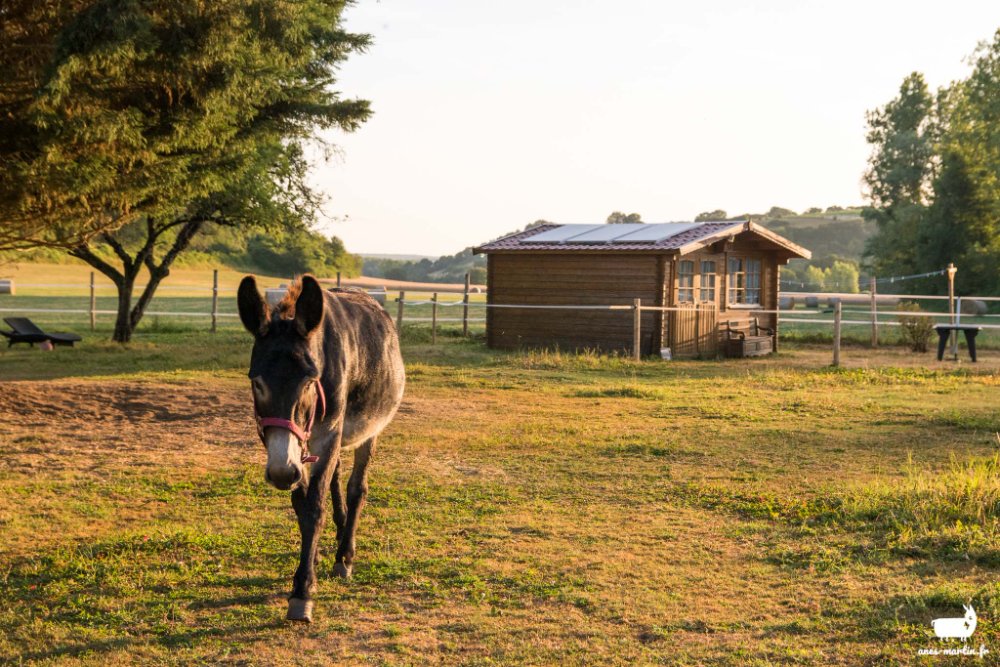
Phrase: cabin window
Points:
(744, 280)
(685, 281)
(707, 281)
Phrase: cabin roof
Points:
(672, 237)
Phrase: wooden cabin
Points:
(717, 274)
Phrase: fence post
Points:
(215, 299)
(434, 319)
(399, 311)
(636, 329)
(874, 314)
(465, 307)
(836, 333)
(697, 329)
(951, 310)
(93, 302)
(338, 279)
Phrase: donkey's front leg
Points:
(310, 508)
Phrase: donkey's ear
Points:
(309, 306)
(252, 307)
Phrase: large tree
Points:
(934, 179)
(963, 222)
(898, 176)
(129, 108)
(150, 119)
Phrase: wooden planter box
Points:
(750, 346)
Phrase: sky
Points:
(491, 115)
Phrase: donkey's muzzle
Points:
(283, 477)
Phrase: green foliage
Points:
(618, 218)
(916, 331)
(933, 179)
(292, 252)
(830, 240)
(842, 277)
(778, 212)
(144, 122)
(709, 216)
(814, 278)
(131, 109)
(446, 269)
(897, 176)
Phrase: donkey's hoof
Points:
(300, 610)
(342, 570)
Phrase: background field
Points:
(532, 508)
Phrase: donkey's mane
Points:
(286, 307)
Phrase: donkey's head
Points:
(283, 372)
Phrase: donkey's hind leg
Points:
(339, 507)
(357, 492)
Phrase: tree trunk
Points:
(123, 319)
(128, 317)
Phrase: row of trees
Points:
(130, 127)
(445, 269)
(774, 213)
(933, 178)
(841, 276)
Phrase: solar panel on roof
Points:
(560, 233)
(605, 233)
(656, 232)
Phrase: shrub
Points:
(915, 330)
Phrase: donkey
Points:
(327, 377)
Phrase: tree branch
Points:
(119, 249)
(157, 272)
(86, 254)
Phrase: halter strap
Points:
(289, 425)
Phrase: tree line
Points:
(933, 179)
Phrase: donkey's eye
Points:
(259, 390)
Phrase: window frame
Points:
(688, 278)
(702, 287)
(738, 282)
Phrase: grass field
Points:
(525, 508)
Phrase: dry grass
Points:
(526, 509)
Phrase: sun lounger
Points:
(26, 331)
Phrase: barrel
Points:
(969, 306)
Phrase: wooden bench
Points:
(747, 339)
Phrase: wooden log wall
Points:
(573, 279)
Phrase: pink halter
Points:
(289, 425)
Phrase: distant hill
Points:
(830, 236)
(446, 269)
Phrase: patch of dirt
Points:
(92, 425)
(63, 423)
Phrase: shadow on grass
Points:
(167, 640)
